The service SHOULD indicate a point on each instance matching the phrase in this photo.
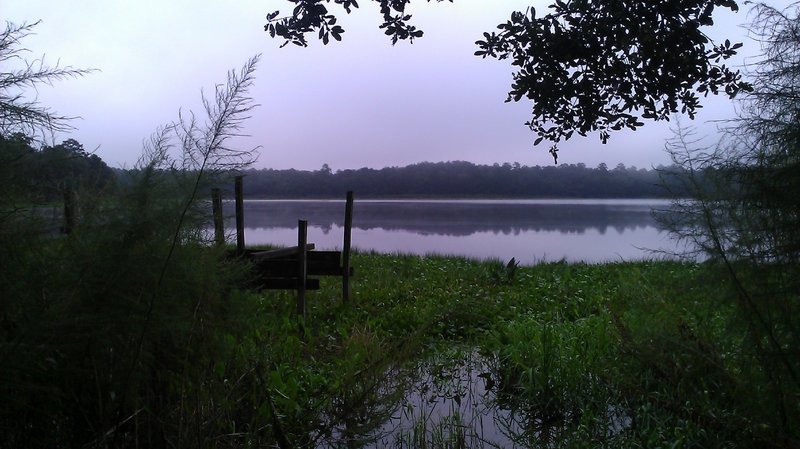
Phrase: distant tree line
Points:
(45, 173)
(461, 179)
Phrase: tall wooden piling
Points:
(239, 195)
(348, 226)
(302, 272)
(216, 209)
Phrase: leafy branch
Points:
(586, 66)
(312, 16)
(605, 66)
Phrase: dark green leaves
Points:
(587, 65)
(312, 15)
(596, 65)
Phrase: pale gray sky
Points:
(359, 102)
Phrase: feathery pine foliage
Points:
(110, 333)
(745, 214)
(19, 114)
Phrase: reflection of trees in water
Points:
(454, 219)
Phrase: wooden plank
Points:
(288, 268)
(291, 254)
(325, 256)
(287, 284)
(328, 270)
(324, 269)
(277, 268)
(281, 253)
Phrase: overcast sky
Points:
(350, 104)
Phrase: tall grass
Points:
(108, 333)
(570, 355)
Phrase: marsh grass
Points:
(643, 354)
(614, 355)
(447, 405)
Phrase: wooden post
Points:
(348, 225)
(216, 208)
(239, 216)
(302, 237)
(69, 211)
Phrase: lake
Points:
(529, 230)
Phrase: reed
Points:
(571, 355)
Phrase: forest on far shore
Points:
(464, 179)
(49, 171)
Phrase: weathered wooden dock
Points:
(289, 268)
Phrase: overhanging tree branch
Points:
(586, 66)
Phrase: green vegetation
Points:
(132, 330)
(744, 213)
(644, 354)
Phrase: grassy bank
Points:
(620, 355)
(646, 354)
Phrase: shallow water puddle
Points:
(449, 403)
(452, 402)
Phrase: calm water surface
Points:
(529, 230)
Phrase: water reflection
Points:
(457, 401)
(531, 231)
(451, 404)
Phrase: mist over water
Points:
(529, 230)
